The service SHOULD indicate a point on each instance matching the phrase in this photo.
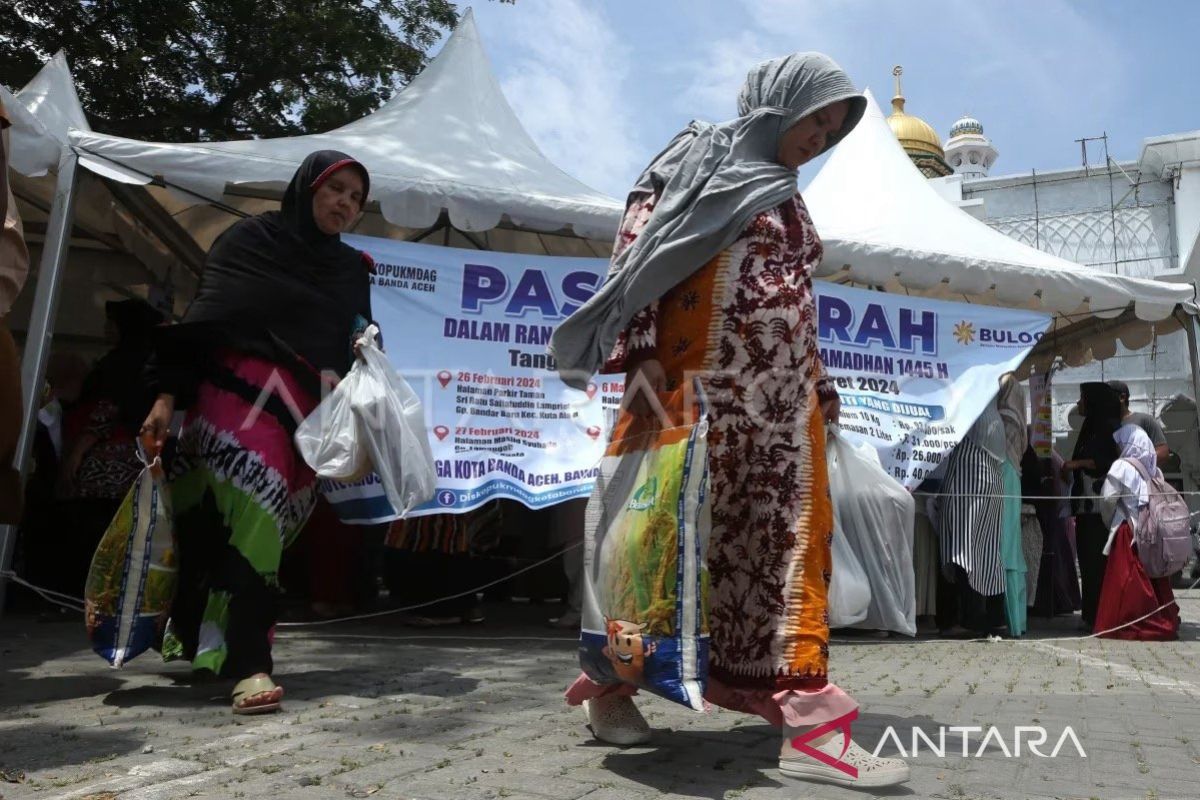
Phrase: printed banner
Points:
(468, 329)
(914, 374)
(1041, 407)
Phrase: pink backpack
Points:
(1164, 527)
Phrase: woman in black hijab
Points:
(1095, 451)
(280, 302)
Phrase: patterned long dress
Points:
(241, 493)
(746, 323)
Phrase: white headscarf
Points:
(1125, 491)
(1135, 444)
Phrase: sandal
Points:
(248, 688)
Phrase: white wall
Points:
(1187, 215)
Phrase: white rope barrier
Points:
(76, 604)
(50, 595)
(1031, 497)
(416, 606)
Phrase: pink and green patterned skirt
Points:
(241, 494)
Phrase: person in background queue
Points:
(970, 594)
(1152, 427)
(14, 269)
(1013, 406)
(1095, 451)
(101, 461)
(280, 302)
(56, 553)
(1132, 605)
(712, 276)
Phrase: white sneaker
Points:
(616, 720)
(872, 771)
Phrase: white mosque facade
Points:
(1139, 218)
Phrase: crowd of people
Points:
(1011, 526)
(711, 274)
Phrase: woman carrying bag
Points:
(280, 303)
(712, 277)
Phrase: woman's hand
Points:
(831, 409)
(158, 423)
(1067, 468)
(642, 384)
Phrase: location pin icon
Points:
(444, 378)
(441, 432)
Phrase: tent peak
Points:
(51, 97)
(884, 225)
(448, 142)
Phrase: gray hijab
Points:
(988, 432)
(711, 181)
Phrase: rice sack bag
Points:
(132, 579)
(645, 606)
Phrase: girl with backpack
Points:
(1132, 604)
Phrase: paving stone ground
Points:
(377, 710)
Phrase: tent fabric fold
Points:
(885, 226)
(449, 141)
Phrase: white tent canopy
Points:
(883, 225)
(448, 141)
(43, 112)
(112, 250)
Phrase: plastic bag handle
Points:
(150, 454)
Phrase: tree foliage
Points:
(181, 70)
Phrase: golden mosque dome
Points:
(914, 133)
(917, 137)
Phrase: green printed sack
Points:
(645, 608)
(131, 583)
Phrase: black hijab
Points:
(275, 285)
(1101, 418)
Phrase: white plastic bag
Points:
(877, 516)
(328, 438)
(849, 590)
(372, 420)
(392, 425)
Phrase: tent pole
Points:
(1192, 326)
(41, 329)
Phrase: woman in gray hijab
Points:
(711, 278)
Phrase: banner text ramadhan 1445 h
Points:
(469, 329)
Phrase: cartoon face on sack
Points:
(627, 648)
